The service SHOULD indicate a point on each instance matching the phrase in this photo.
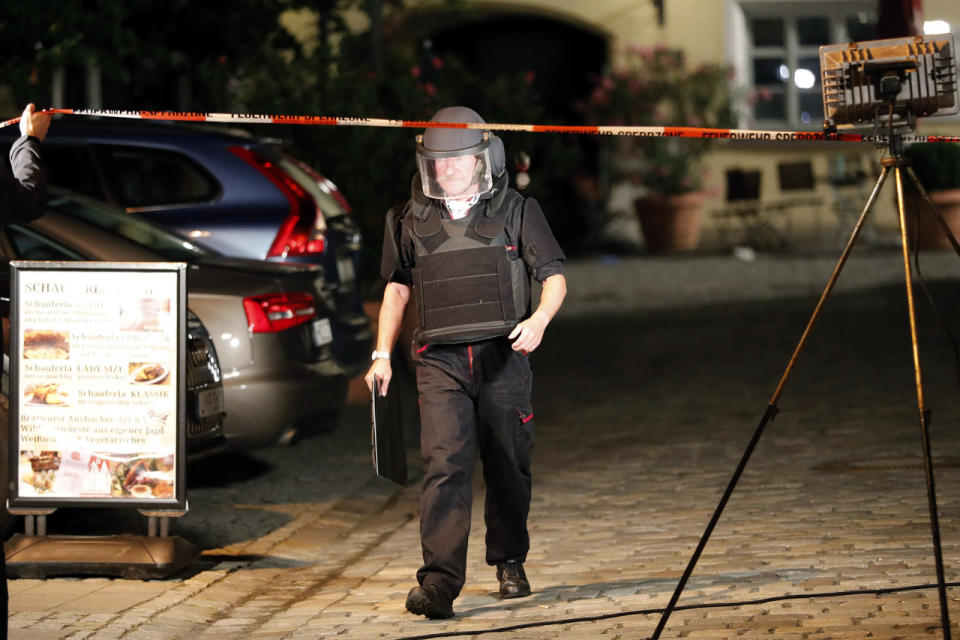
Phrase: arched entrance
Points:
(561, 58)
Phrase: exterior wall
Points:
(825, 224)
(695, 25)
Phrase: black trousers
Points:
(473, 398)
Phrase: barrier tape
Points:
(602, 130)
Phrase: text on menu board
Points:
(97, 384)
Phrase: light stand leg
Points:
(924, 414)
(771, 408)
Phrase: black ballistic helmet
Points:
(442, 143)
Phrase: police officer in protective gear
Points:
(465, 246)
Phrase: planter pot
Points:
(671, 222)
(920, 218)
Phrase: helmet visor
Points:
(455, 174)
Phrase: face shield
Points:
(461, 173)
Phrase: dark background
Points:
(235, 57)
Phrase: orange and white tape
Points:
(603, 130)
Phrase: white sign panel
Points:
(97, 384)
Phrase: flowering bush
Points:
(656, 87)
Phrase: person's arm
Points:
(24, 193)
(529, 333)
(395, 298)
(544, 259)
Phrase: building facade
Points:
(797, 193)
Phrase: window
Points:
(144, 177)
(70, 166)
(782, 43)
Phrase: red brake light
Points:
(301, 233)
(276, 312)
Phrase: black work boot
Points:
(428, 601)
(513, 581)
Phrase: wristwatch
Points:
(380, 355)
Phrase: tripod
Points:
(898, 166)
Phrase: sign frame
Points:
(18, 268)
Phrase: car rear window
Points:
(30, 245)
(317, 190)
(145, 234)
(144, 177)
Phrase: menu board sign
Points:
(96, 392)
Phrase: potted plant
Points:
(937, 165)
(657, 87)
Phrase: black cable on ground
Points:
(688, 607)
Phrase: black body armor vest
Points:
(468, 283)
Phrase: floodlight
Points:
(934, 27)
(888, 83)
(881, 83)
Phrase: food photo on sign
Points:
(46, 344)
(46, 394)
(96, 475)
(145, 314)
(149, 373)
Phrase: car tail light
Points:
(278, 311)
(302, 233)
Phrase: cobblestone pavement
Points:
(648, 388)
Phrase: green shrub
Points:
(659, 87)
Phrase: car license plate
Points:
(209, 402)
(322, 333)
(345, 270)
